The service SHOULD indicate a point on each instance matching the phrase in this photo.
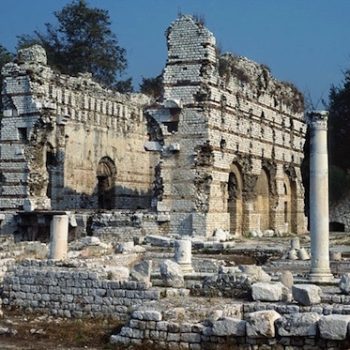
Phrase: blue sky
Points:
(302, 41)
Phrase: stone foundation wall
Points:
(149, 329)
(69, 291)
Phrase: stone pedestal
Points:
(183, 254)
(59, 237)
(319, 210)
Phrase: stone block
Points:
(141, 272)
(265, 291)
(261, 324)
(307, 294)
(298, 325)
(229, 326)
(287, 279)
(147, 315)
(171, 274)
(334, 327)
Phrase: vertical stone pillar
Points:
(59, 237)
(319, 211)
(183, 254)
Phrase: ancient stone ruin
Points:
(182, 217)
(221, 150)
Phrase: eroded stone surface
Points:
(334, 327)
(261, 324)
(298, 325)
(307, 294)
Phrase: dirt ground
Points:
(25, 332)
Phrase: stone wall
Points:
(69, 141)
(239, 136)
(71, 291)
(259, 330)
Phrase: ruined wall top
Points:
(32, 54)
(32, 87)
(195, 68)
(188, 39)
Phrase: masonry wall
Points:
(235, 121)
(70, 141)
(78, 292)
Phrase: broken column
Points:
(183, 254)
(58, 237)
(319, 212)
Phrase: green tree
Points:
(152, 86)
(82, 41)
(339, 124)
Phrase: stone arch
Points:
(262, 203)
(106, 174)
(235, 200)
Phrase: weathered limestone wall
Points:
(70, 141)
(240, 134)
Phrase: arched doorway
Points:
(235, 202)
(50, 164)
(262, 201)
(106, 172)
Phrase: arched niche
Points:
(106, 173)
(235, 200)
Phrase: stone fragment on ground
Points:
(265, 291)
(118, 273)
(261, 324)
(159, 241)
(141, 272)
(307, 294)
(129, 247)
(287, 279)
(298, 325)
(256, 273)
(171, 274)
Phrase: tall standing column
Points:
(319, 212)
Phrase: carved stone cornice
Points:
(317, 119)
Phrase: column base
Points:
(320, 277)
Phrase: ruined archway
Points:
(106, 172)
(50, 164)
(235, 200)
(262, 200)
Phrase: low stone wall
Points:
(259, 330)
(70, 291)
(127, 225)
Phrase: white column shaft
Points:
(59, 237)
